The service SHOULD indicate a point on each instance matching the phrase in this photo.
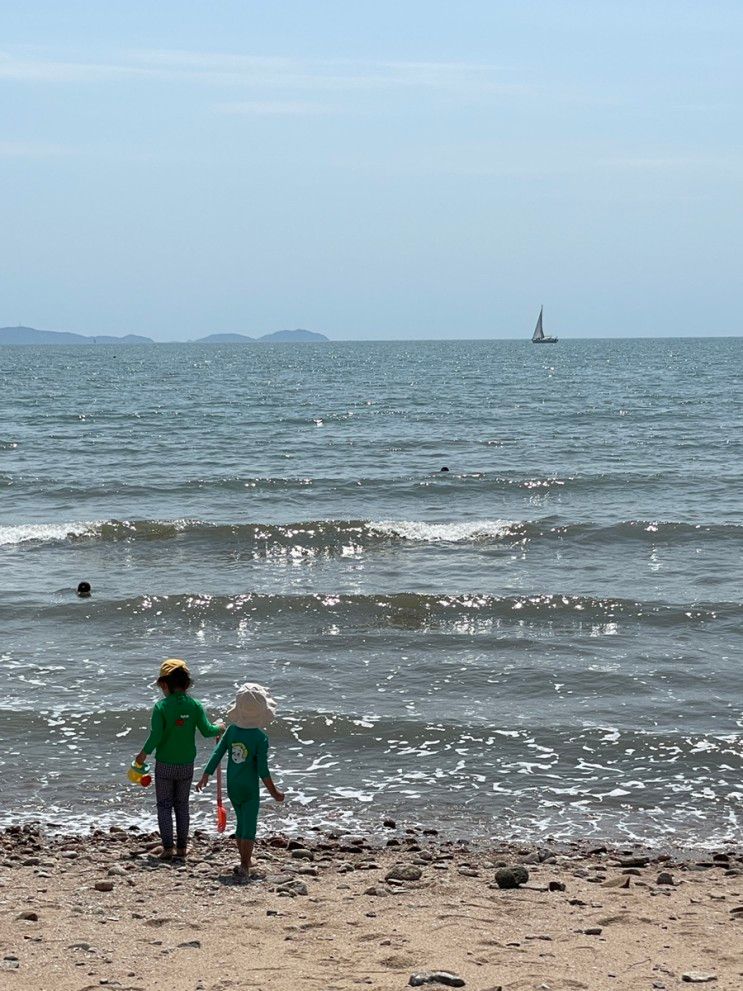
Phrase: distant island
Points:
(31, 336)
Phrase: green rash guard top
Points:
(175, 720)
(247, 762)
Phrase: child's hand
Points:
(202, 782)
(279, 796)
(140, 758)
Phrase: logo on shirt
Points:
(181, 720)
(240, 753)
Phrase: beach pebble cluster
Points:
(567, 892)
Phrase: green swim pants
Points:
(246, 812)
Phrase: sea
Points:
(544, 641)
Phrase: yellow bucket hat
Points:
(172, 664)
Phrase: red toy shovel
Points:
(221, 810)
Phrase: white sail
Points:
(538, 332)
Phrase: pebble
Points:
(697, 977)
(445, 977)
(556, 886)
(511, 877)
(377, 890)
(292, 888)
(404, 872)
(665, 878)
(634, 861)
(616, 882)
(28, 916)
(302, 855)
(104, 886)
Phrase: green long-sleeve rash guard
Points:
(175, 720)
(247, 762)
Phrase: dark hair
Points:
(178, 681)
(83, 590)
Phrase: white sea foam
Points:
(454, 533)
(44, 532)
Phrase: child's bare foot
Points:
(166, 853)
(242, 874)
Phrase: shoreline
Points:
(85, 911)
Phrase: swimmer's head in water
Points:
(445, 468)
(84, 590)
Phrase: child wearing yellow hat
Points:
(175, 719)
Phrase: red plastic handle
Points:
(221, 810)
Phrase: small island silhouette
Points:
(32, 336)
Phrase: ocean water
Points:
(545, 640)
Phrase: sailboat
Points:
(538, 337)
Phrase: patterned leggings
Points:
(172, 788)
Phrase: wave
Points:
(411, 484)
(309, 536)
(313, 537)
(411, 611)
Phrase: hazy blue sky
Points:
(372, 169)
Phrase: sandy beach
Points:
(79, 913)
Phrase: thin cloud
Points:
(272, 108)
(33, 149)
(219, 69)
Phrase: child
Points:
(252, 710)
(172, 739)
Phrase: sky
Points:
(372, 170)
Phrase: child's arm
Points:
(216, 757)
(204, 726)
(265, 774)
(272, 789)
(157, 728)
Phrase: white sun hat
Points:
(253, 707)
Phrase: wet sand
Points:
(329, 914)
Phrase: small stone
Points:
(302, 855)
(404, 872)
(389, 824)
(697, 977)
(28, 916)
(511, 877)
(104, 886)
(193, 944)
(665, 878)
(616, 882)
(378, 891)
(445, 977)
(116, 871)
(292, 888)
(556, 886)
(634, 861)
(593, 931)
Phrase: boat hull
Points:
(545, 340)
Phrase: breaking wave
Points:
(344, 536)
